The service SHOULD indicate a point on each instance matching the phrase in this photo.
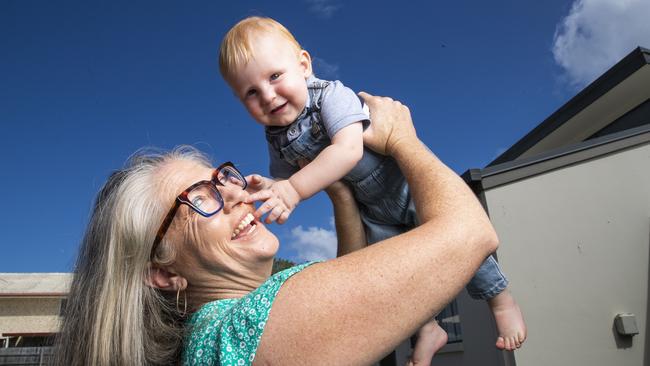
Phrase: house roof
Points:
(34, 284)
(481, 180)
(609, 98)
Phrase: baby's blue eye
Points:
(275, 76)
(251, 92)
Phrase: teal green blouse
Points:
(227, 332)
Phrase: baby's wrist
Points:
(295, 189)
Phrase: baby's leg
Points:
(431, 337)
(509, 319)
(490, 284)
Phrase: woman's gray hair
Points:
(112, 317)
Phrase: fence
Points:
(25, 356)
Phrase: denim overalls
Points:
(379, 186)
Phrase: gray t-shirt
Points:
(331, 105)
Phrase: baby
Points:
(314, 131)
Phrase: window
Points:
(449, 320)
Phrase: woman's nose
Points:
(232, 195)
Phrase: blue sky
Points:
(85, 84)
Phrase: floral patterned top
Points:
(227, 332)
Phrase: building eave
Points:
(631, 63)
(511, 171)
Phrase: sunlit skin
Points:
(216, 265)
(462, 237)
(510, 321)
(431, 338)
(273, 89)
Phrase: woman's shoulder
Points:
(255, 306)
(230, 330)
(281, 276)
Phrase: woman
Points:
(151, 256)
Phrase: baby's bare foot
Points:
(510, 321)
(430, 339)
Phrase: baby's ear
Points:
(305, 62)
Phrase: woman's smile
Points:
(246, 227)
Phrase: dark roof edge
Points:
(554, 159)
(473, 179)
(627, 66)
(33, 294)
(31, 334)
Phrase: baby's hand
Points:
(256, 183)
(279, 200)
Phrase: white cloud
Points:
(598, 33)
(325, 70)
(323, 8)
(313, 243)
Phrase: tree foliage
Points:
(280, 264)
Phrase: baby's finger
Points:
(284, 217)
(275, 213)
(265, 207)
(254, 181)
(262, 195)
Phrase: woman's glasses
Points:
(203, 197)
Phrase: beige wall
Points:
(575, 245)
(29, 315)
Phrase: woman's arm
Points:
(355, 309)
(350, 234)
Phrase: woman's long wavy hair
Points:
(112, 317)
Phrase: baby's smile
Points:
(279, 108)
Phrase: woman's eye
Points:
(229, 178)
(275, 76)
(198, 201)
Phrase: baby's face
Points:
(272, 85)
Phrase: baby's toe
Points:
(501, 343)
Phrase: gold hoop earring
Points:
(178, 308)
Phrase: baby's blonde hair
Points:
(236, 49)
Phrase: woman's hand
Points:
(391, 124)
